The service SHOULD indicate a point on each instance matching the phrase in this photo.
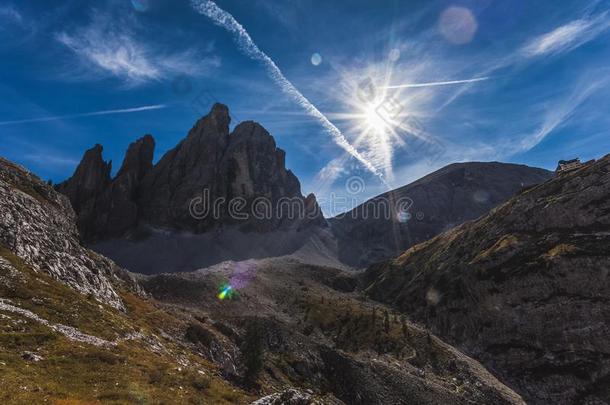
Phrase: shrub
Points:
(253, 350)
(197, 334)
(201, 383)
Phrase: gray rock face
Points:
(375, 230)
(293, 396)
(37, 225)
(211, 165)
(524, 289)
(183, 172)
(108, 207)
(245, 164)
(90, 180)
(119, 208)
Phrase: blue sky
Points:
(382, 91)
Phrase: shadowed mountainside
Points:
(437, 202)
(523, 289)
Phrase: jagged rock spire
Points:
(245, 163)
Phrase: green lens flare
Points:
(225, 291)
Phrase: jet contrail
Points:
(89, 114)
(245, 42)
(405, 86)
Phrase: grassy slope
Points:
(74, 372)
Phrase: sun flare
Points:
(373, 120)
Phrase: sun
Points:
(372, 119)
(377, 116)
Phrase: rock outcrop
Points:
(210, 180)
(119, 209)
(89, 181)
(108, 207)
(386, 225)
(37, 225)
(524, 289)
(219, 167)
(293, 396)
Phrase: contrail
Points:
(431, 84)
(247, 45)
(89, 114)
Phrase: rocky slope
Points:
(437, 202)
(37, 225)
(523, 289)
(209, 166)
(75, 328)
(317, 333)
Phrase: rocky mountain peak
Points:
(450, 196)
(91, 177)
(213, 125)
(245, 163)
(139, 158)
(106, 206)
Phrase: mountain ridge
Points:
(438, 201)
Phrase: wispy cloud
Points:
(109, 47)
(433, 84)
(228, 22)
(559, 114)
(567, 37)
(89, 114)
(560, 40)
(334, 169)
(9, 13)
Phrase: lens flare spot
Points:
(316, 59)
(140, 5)
(458, 25)
(403, 217)
(433, 297)
(481, 196)
(225, 291)
(394, 55)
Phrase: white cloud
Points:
(567, 37)
(562, 39)
(109, 47)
